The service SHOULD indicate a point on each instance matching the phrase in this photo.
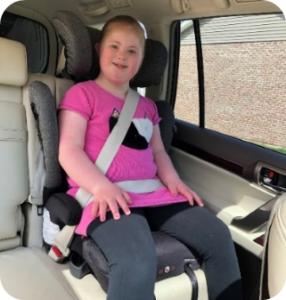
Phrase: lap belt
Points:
(63, 239)
(140, 186)
(133, 186)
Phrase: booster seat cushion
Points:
(174, 258)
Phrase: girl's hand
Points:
(176, 186)
(108, 195)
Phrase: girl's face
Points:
(120, 55)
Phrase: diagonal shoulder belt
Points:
(110, 149)
(113, 142)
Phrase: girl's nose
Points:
(121, 54)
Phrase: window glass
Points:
(187, 99)
(244, 70)
(30, 33)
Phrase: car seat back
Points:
(273, 276)
(13, 143)
(20, 164)
(40, 186)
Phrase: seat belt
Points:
(111, 147)
(64, 237)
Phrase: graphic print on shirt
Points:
(139, 132)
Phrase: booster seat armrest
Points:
(64, 210)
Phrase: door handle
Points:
(273, 179)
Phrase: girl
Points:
(119, 221)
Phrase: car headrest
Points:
(77, 43)
(13, 62)
(81, 60)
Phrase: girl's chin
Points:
(119, 80)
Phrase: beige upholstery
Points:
(13, 142)
(273, 275)
(13, 62)
(277, 250)
(57, 87)
(33, 227)
(28, 274)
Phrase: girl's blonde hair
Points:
(123, 20)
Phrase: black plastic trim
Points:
(174, 61)
(200, 68)
(232, 154)
(194, 281)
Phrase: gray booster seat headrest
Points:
(82, 60)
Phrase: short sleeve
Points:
(78, 99)
(153, 112)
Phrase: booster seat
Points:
(81, 64)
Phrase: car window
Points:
(244, 74)
(187, 99)
(30, 33)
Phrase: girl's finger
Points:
(173, 190)
(123, 204)
(102, 211)
(198, 199)
(190, 198)
(194, 197)
(114, 209)
(185, 191)
(95, 208)
(127, 197)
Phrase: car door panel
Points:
(224, 171)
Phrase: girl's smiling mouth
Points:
(120, 66)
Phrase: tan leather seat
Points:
(26, 272)
(13, 142)
(277, 250)
(274, 263)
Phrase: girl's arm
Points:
(80, 168)
(167, 172)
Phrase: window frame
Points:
(174, 67)
(175, 46)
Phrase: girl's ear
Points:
(96, 47)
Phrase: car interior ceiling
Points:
(213, 163)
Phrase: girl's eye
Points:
(114, 46)
(132, 51)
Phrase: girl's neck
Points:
(119, 91)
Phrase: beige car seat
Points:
(273, 277)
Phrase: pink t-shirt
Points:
(134, 159)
